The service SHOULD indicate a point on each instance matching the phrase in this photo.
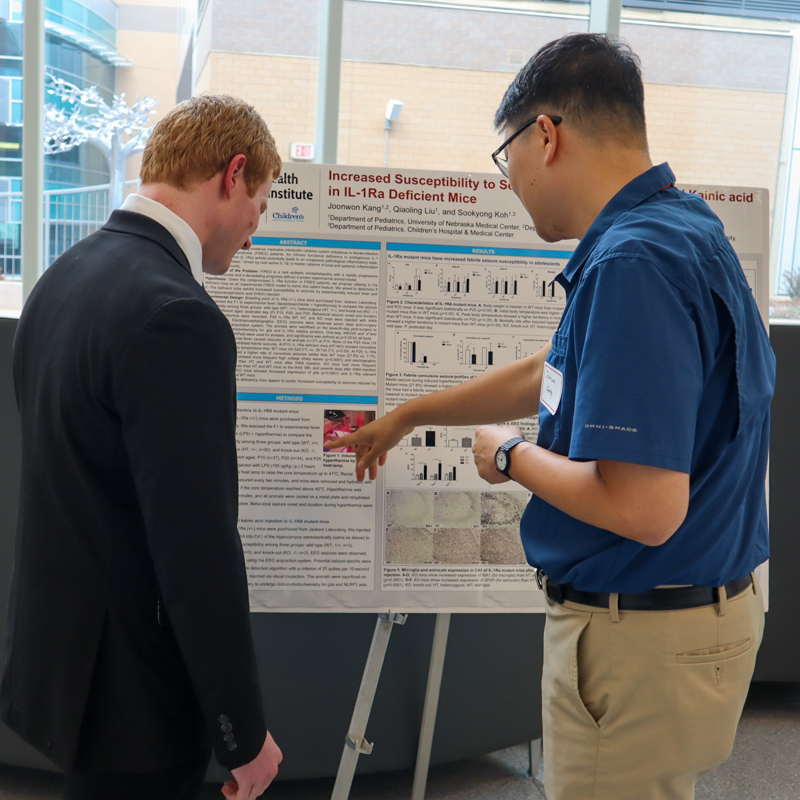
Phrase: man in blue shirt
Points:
(648, 514)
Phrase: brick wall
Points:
(149, 38)
(496, 40)
(720, 59)
(705, 133)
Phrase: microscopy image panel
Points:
(457, 509)
(457, 545)
(502, 545)
(503, 508)
(409, 546)
(409, 509)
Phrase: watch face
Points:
(501, 460)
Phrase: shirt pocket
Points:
(550, 422)
(558, 349)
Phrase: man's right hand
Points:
(251, 780)
(499, 395)
(373, 441)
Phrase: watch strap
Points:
(507, 447)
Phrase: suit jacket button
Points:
(228, 737)
(227, 727)
(232, 745)
(222, 719)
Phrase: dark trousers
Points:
(177, 783)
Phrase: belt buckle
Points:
(538, 575)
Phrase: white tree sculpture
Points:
(82, 115)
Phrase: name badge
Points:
(552, 387)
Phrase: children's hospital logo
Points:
(288, 216)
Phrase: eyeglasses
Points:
(502, 161)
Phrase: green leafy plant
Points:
(791, 284)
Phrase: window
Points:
(449, 64)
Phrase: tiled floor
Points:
(765, 765)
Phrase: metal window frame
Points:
(32, 144)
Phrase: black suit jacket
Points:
(129, 644)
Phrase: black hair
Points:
(592, 80)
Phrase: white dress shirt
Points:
(180, 229)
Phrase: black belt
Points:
(672, 599)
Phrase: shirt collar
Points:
(637, 191)
(181, 231)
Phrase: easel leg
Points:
(535, 756)
(355, 743)
(438, 651)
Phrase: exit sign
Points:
(300, 151)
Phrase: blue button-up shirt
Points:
(661, 359)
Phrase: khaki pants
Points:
(640, 708)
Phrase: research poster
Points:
(366, 287)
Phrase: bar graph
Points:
(456, 282)
(435, 470)
(474, 355)
(456, 353)
(452, 438)
(470, 279)
(415, 468)
(414, 351)
(408, 278)
(503, 284)
(440, 457)
(545, 287)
